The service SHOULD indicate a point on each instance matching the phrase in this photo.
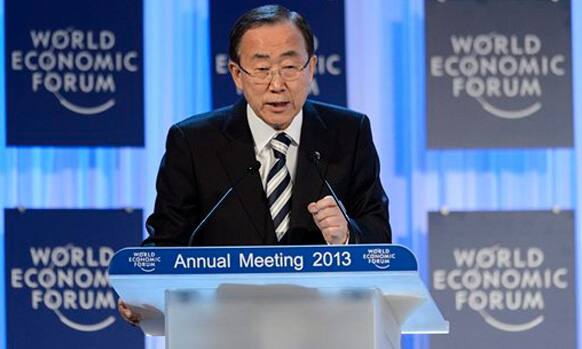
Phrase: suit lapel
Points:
(315, 136)
(236, 157)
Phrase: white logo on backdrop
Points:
(69, 61)
(494, 66)
(68, 279)
(492, 279)
(327, 64)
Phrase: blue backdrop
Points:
(385, 69)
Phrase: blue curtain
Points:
(386, 80)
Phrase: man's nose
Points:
(277, 83)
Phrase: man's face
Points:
(272, 47)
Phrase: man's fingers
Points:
(127, 314)
(326, 202)
(331, 222)
(322, 204)
(328, 218)
(122, 306)
(124, 309)
(327, 213)
(312, 208)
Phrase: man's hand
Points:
(330, 221)
(127, 314)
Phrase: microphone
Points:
(250, 170)
(316, 157)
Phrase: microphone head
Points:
(316, 156)
(254, 167)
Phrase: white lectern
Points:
(284, 297)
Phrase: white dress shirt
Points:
(262, 135)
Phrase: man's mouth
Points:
(278, 104)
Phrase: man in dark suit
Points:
(272, 62)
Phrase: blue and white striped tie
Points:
(279, 186)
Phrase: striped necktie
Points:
(279, 186)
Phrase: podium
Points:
(284, 297)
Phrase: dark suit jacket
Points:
(206, 154)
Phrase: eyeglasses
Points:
(288, 72)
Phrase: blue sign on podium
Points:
(294, 259)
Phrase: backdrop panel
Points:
(504, 279)
(58, 294)
(74, 73)
(498, 80)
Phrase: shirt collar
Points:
(263, 133)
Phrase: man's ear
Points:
(236, 74)
(312, 65)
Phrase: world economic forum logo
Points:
(70, 63)
(328, 64)
(70, 281)
(495, 280)
(504, 73)
(379, 257)
(145, 261)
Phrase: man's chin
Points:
(278, 121)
